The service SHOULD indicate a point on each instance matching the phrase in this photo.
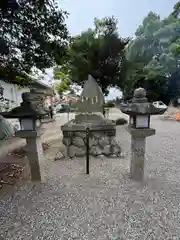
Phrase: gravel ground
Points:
(106, 204)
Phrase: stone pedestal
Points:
(34, 153)
(102, 139)
(138, 144)
(137, 158)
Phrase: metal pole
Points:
(68, 115)
(87, 150)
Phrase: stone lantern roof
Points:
(27, 109)
(140, 105)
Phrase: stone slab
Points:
(137, 158)
(35, 157)
(29, 134)
(138, 133)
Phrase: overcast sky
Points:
(130, 14)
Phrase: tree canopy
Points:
(154, 56)
(33, 35)
(62, 81)
(99, 52)
(62, 87)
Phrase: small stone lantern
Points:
(29, 116)
(139, 111)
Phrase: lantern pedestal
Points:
(30, 114)
(138, 145)
(34, 152)
(139, 111)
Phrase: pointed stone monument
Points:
(92, 98)
(102, 140)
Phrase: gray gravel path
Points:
(106, 204)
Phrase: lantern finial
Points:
(139, 93)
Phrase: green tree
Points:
(99, 52)
(60, 74)
(62, 87)
(176, 10)
(153, 55)
(33, 34)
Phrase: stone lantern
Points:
(139, 111)
(29, 116)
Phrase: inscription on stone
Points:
(139, 152)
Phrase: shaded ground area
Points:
(104, 205)
(52, 132)
(13, 153)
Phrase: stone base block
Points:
(102, 134)
(99, 144)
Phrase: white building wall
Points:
(12, 92)
(18, 93)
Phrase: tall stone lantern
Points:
(139, 111)
(29, 115)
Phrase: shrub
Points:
(121, 121)
(109, 104)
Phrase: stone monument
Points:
(102, 131)
(91, 96)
